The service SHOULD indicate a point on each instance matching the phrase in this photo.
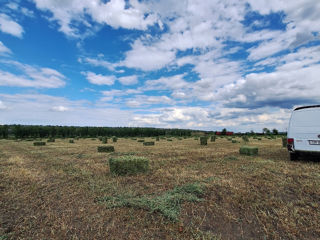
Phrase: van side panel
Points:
(305, 126)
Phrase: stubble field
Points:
(57, 191)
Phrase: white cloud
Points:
(98, 63)
(2, 106)
(3, 49)
(147, 58)
(7, 25)
(128, 80)
(99, 79)
(115, 13)
(21, 105)
(59, 109)
(31, 76)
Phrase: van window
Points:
(306, 118)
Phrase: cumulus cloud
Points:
(99, 79)
(3, 49)
(128, 80)
(115, 13)
(2, 106)
(9, 26)
(31, 76)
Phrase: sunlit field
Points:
(65, 190)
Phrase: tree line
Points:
(39, 131)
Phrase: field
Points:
(65, 191)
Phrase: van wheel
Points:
(294, 156)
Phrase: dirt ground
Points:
(51, 192)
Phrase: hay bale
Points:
(105, 148)
(148, 143)
(140, 140)
(104, 140)
(114, 139)
(284, 142)
(71, 141)
(128, 165)
(39, 143)
(51, 140)
(213, 138)
(234, 141)
(203, 141)
(248, 150)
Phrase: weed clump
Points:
(203, 141)
(248, 150)
(128, 165)
(105, 148)
(157, 139)
(245, 138)
(148, 143)
(168, 204)
(39, 143)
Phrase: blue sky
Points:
(240, 65)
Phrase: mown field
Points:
(65, 191)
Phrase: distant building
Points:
(227, 133)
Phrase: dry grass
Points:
(50, 192)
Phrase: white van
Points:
(304, 131)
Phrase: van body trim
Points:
(313, 106)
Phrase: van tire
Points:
(294, 156)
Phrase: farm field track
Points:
(51, 191)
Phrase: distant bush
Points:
(128, 165)
(39, 144)
(157, 139)
(114, 139)
(105, 148)
(148, 143)
(248, 150)
(203, 141)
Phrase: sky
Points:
(195, 64)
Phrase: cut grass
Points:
(168, 204)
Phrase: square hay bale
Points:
(104, 140)
(148, 143)
(203, 141)
(105, 148)
(248, 150)
(213, 138)
(39, 143)
(114, 139)
(128, 165)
